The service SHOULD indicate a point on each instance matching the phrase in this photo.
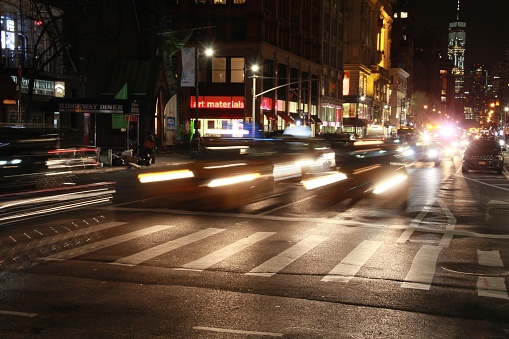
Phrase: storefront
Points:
(104, 122)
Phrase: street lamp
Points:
(208, 52)
(254, 68)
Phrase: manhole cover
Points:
(475, 270)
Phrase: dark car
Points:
(483, 155)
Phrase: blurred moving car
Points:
(484, 154)
(427, 152)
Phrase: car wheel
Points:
(499, 171)
(464, 169)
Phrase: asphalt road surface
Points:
(294, 264)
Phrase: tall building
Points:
(31, 61)
(367, 60)
(403, 63)
(456, 52)
(297, 45)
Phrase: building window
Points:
(237, 70)
(239, 2)
(219, 2)
(219, 70)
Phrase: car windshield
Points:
(485, 145)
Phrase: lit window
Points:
(219, 70)
(201, 2)
(219, 2)
(239, 2)
(404, 15)
(237, 70)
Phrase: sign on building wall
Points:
(41, 87)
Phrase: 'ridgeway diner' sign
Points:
(103, 106)
(90, 108)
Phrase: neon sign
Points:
(217, 102)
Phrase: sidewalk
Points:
(162, 159)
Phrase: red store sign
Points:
(217, 102)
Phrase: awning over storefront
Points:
(270, 115)
(286, 117)
(296, 116)
(351, 122)
(316, 119)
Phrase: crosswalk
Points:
(420, 274)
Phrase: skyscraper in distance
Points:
(456, 52)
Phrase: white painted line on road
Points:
(405, 236)
(493, 287)
(285, 258)
(219, 255)
(20, 314)
(352, 263)
(326, 221)
(489, 258)
(227, 330)
(153, 252)
(104, 243)
(423, 267)
(451, 223)
(483, 183)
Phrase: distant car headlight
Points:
(432, 153)
(501, 142)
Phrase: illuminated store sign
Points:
(217, 102)
(42, 87)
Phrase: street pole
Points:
(197, 69)
(505, 122)
(253, 114)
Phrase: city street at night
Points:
(283, 266)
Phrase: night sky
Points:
(487, 26)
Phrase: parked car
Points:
(484, 154)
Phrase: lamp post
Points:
(505, 122)
(208, 52)
(254, 68)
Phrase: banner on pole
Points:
(188, 67)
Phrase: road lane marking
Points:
(493, 287)
(285, 258)
(423, 267)
(451, 224)
(352, 263)
(326, 221)
(20, 314)
(418, 220)
(153, 252)
(405, 236)
(64, 255)
(227, 330)
(225, 252)
(48, 240)
(483, 183)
